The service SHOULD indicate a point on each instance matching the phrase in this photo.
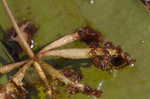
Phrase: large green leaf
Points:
(125, 22)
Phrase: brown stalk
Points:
(58, 75)
(43, 77)
(77, 53)
(18, 77)
(22, 42)
(10, 67)
(60, 42)
(12, 86)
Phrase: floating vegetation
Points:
(104, 55)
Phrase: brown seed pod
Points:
(122, 59)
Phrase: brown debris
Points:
(27, 27)
(86, 90)
(10, 91)
(5, 95)
(71, 73)
(91, 91)
(90, 36)
(73, 90)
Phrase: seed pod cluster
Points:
(95, 40)
(120, 60)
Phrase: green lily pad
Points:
(125, 22)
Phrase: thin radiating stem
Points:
(22, 41)
(10, 67)
(16, 82)
(42, 75)
(62, 41)
(77, 53)
(24, 44)
(58, 75)
(75, 86)
(18, 77)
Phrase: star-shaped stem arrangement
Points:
(110, 56)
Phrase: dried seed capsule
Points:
(117, 61)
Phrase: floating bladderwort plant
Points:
(104, 55)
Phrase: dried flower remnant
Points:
(28, 30)
(91, 37)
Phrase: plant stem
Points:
(23, 44)
(58, 75)
(75, 85)
(12, 86)
(18, 77)
(60, 42)
(10, 67)
(43, 77)
(77, 53)
(54, 73)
